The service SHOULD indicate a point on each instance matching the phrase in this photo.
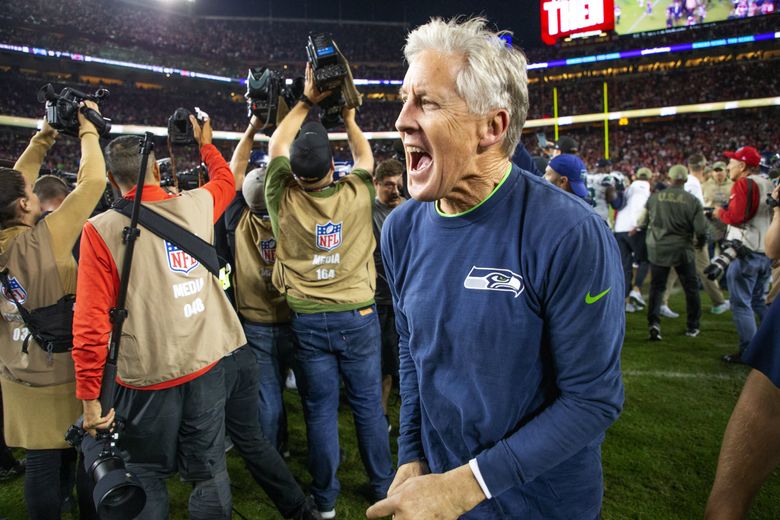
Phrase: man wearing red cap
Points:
(748, 220)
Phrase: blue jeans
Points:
(345, 344)
(269, 343)
(747, 279)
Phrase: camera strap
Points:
(188, 242)
(49, 326)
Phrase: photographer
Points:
(38, 382)
(748, 218)
(171, 388)
(326, 270)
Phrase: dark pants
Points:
(178, 429)
(690, 284)
(7, 460)
(632, 248)
(48, 481)
(389, 340)
(242, 383)
(272, 347)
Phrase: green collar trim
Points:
(447, 215)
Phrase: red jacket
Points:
(98, 285)
(742, 207)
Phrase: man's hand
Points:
(92, 419)
(348, 114)
(407, 471)
(430, 497)
(310, 89)
(48, 131)
(202, 135)
(85, 123)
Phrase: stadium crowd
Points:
(329, 273)
(82, 26)
(130, 104)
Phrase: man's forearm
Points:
(285, 133)
(66, 222)
(240, 159)
(221, 185)
(750, 451)
(358, 144)
(772, 244)
(29, 163)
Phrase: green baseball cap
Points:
(644, 173)
(678, 172)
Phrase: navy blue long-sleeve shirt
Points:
(510, 319)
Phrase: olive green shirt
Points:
(716, 195)
(675, 217)
(325, 240)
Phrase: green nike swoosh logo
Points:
(593, 299)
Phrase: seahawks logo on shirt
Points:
(494, 279)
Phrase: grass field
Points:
(635, 19)
(659, 458)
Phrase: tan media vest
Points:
(179, 319)
(35, 382)
(326, 245)
(257, 298)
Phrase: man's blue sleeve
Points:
(584, 318)
(524, 160)
(763, 354)
(409, 439)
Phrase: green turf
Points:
(635, 19)
(659, 458)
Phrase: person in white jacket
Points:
(631, 239)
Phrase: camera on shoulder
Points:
(62, 109)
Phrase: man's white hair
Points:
(494, 75)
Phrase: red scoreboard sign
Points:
(562, 18)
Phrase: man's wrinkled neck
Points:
(476, 185)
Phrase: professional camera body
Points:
(184, 180)
(62, 109)
(269, 96)
(770, 166)
(331, 72)
(729, 250)
(180, 128)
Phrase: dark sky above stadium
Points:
(519, 16)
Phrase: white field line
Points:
(644, 14)
(663, 374)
